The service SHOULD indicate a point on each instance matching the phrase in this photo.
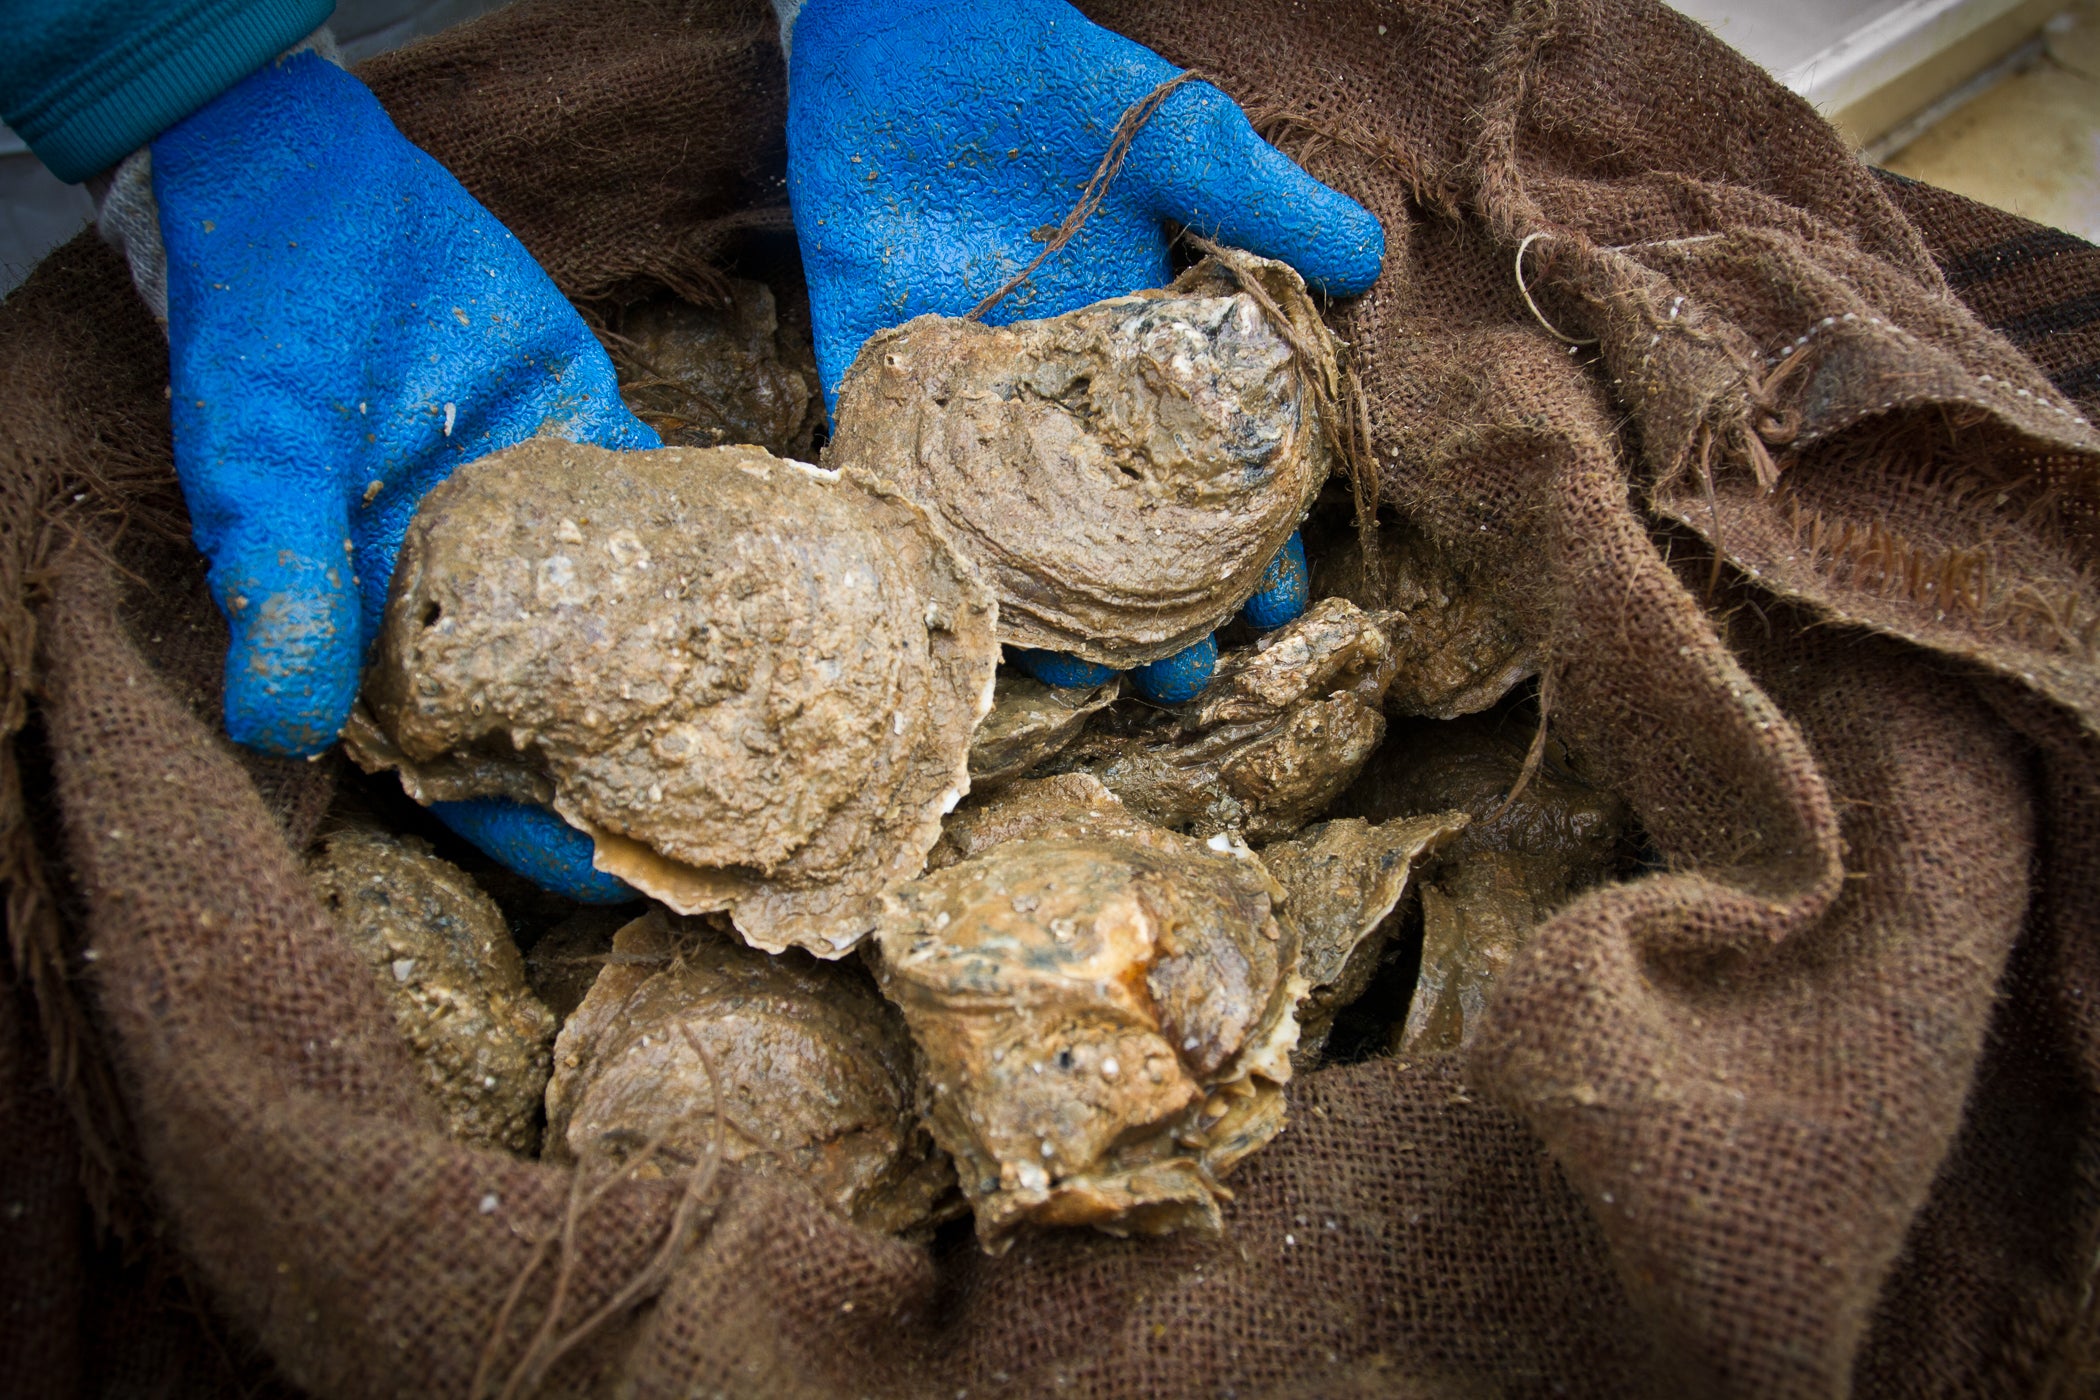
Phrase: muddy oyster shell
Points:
(1457, 647)
(1063, 804)
(1105, 1023)
(795, 1066)
(440, 949)
(1513, 865)
(751, 682)
(1122, 473)
(1283, 728)
(1029, 723)
(1342, 880)
(718, 374)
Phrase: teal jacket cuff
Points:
(86, 84)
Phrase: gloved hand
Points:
(345, 326)
(929, 140)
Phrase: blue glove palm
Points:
(345, 326)
(931, 144)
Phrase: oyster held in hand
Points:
(795, 1067)
(1105, 1023)
(752, 683)
(441, 951)
(1122, 473)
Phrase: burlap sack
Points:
(1810, 1110)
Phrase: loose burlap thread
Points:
(1808, 1110)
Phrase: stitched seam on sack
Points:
(1853, 317)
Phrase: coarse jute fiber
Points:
(1803, 523)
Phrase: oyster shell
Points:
(1283, 728)
(1063, 804)
(1456, 649)
(1104, 1021)
(752, 683)
(1342, 880)
(807, 1073)
(1122, 473)
(720, 374)
(1030, 722)
(440, 949)
(1513, 865)
(567, 959)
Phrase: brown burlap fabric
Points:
(1808, 1110)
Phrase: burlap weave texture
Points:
(1808, 1110)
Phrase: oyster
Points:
(1029, 722)
(1456, 649)
(567, 959)
(1283, 728)
(1342, 880)
(719, 374)
(1064, 804)
(1512, 866)
(750, 682)
(1122, 473)
(1104, 1022)
(795, 1067)
(439, 948)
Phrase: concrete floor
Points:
(2030, 143)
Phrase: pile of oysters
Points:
(911, 930)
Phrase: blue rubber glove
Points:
(927, 140)
(538, 845)
(345, 326)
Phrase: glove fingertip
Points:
(1171, 680)
(537, 844)
(1348, 253)
(1284, 590)
(1213, 172)
(292, 670)
(1061, 669)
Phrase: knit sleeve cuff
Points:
(88, 119)
(128, 216)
